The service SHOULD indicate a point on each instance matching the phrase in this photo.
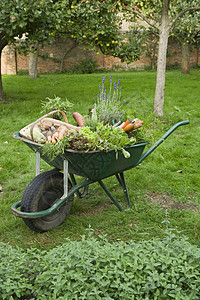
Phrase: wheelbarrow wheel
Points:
(41, 194)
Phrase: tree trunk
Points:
(161, 64)
(1, 85)
(74, 45)
(33, 59)
(185, 62)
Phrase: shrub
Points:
(14, 273)
(86, 66)
(97, 269)
(93, 268)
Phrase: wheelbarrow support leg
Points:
(110, 195)
(79, 194)
(121, 179)
(65, 169)
(37, 163)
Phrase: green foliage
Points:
(14, 273)
(94, 268)
(105, 137)
(56, 103)
(86, 66)
(186, 29)
(97, 24)
(35, 19)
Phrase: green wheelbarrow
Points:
(48, 198)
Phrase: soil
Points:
(166, 202)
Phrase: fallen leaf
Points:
(179, 171)
(1, 189)
(161, 156)
(132, 224)
(6, 142)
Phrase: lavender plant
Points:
(108, 106)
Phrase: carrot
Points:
(136, 123)
(49, 138)
(53, 140)
(61, 134)
(126, 123)
(129, 127)
(79, 119)
(55, 135)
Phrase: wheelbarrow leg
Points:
(37, 163)
(110, 195)
(121, 179)
(79, 194)
(65, 179)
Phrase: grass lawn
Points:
(164, 190)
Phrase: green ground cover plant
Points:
(94, 268)
(164, 187)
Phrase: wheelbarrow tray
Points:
(94, 165)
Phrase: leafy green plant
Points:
(14, 273)
(86, 66)
(105, 137)
(56, 103)
(94, 268)
(108, 107)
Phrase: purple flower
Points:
(118, 82)
(114, 86)
(103, 80)
(100, 87)
(124, 101)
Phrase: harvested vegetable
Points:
(61, 132)
(126, 123)
(79, 119)
(37, 135)
(135, 124)
(105, 137)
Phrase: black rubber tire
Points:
(40, 194)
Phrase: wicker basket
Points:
(28, 131)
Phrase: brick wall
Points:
(51, 58)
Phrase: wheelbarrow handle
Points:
(152, 148)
